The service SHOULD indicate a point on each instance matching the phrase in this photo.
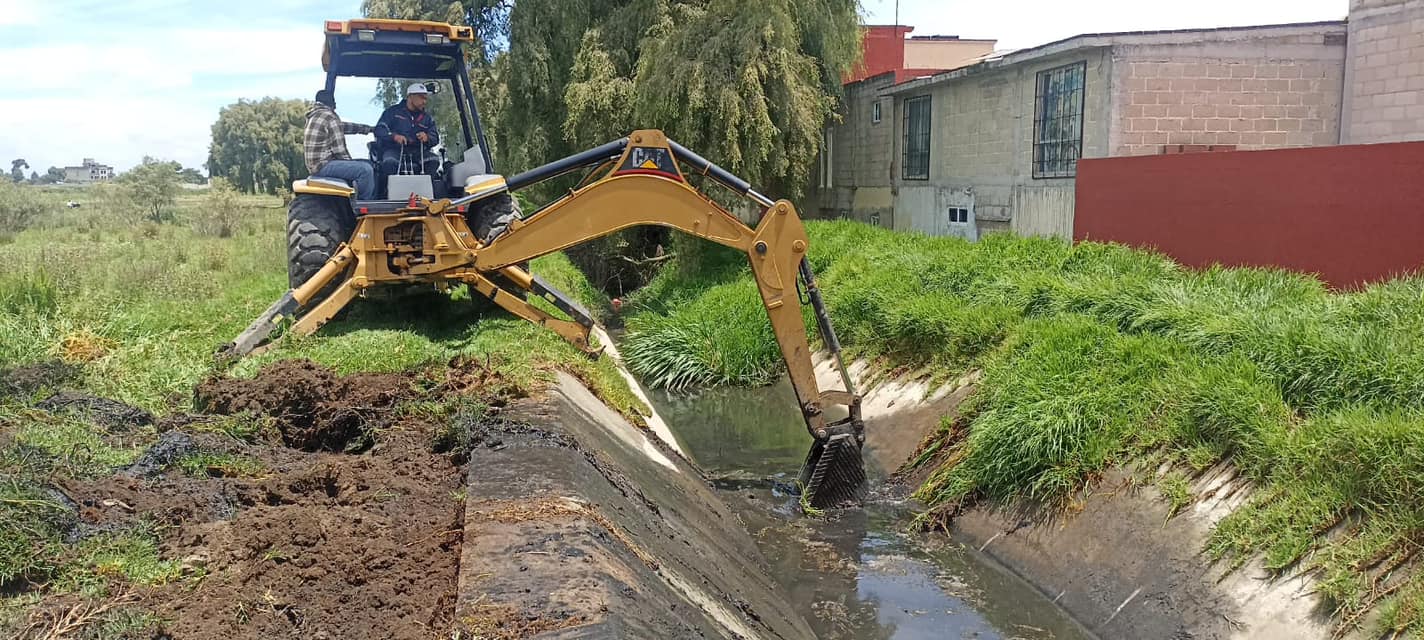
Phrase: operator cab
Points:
(428, 53)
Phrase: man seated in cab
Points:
(407, 134)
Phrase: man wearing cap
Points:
(406, 131)
(324, 147)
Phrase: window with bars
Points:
(916, 165)
(1058, 121)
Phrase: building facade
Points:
(88, 171)
(1384, 97)
(994, 146)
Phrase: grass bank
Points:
(1097, 355)
(133, 310)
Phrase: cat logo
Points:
(653, 160)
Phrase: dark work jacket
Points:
(400, 120)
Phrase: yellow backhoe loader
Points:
(466, 229)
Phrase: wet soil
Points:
(315, 409)
(111, 414)
(352, 527)
(28, 379)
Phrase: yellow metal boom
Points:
(645, 182)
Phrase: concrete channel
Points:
(586, 526)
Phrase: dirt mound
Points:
(315, 409)
(313, 542)
(316, 545)
(103, 411)
(33, 377)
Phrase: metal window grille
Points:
(1058, 121)
(917, 139)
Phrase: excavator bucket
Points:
(834, 473)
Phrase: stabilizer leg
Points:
(253, 339)
(575, 332)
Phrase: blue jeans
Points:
(357, 172)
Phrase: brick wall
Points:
(1234, 94)
(1384, 98)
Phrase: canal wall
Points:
(1118, 562)
(581, 525)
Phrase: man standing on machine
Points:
(407, 134)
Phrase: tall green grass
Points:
(1097, 355)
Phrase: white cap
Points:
(416, 89)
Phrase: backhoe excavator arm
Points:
(643, 181)
(647, 185)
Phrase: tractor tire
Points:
(491, 219)
(316, 226)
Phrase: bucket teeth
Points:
(834, 473)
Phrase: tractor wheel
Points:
(316, 226)
(493, 216)
(490, 220)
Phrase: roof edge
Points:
(1094, 41)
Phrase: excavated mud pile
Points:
(321, 542)
(23, 380)
(315, 409)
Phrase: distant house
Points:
(993, 145)
(89, 171)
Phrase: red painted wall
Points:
(1351, 214)
(882, 49)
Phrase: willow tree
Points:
(749, 83)
(257, 144)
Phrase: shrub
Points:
(20, 207)
(221, 212)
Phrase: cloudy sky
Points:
(119, 80)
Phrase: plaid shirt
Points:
(324, 139)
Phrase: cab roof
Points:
(375, 48)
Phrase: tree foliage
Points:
(153, 187)
(257, 144)
(748, 83)
(52, 175)
(17, 169)
(189, 175)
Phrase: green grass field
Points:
(1097, 355)
(138, 308)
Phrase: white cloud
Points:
(137, 92)
(19, 13)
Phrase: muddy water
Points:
(857, 575)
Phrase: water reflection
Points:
(857, 575)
